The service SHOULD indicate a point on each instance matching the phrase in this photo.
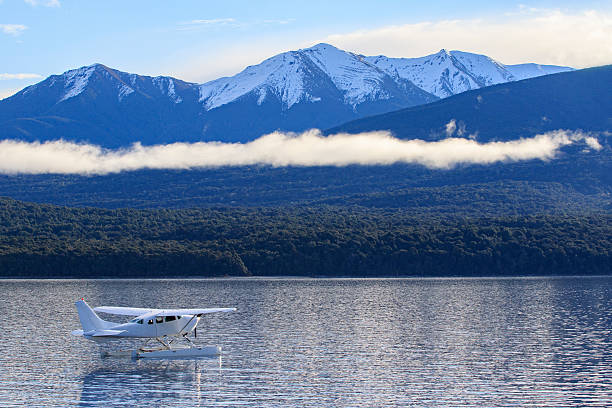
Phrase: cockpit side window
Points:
(150, 321)
(170, 318)
(159, 319)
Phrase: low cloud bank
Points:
(280, 149)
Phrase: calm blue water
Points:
(315, 343)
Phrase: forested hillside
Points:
(49, 241)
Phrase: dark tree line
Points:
(49, 241)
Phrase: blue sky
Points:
(201, 40)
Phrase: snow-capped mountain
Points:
(74, 82)
(448, 73)
(101, 105)
(306, 76)
(289, 76)
(321, 87)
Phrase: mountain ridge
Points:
(320, 86)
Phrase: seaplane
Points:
(165, 326)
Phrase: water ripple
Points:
(334, 343)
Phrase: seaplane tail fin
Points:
(89, 319)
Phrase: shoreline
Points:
(312, 278)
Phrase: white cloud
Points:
(593, 143)
(46, 3)
(199, 24)
(280, 22)
(228, 22)
(279, 149)
(12, 29)
(576, 39)
(227, 60)
(451, 127)
(213, 21)
(580, 39)
(19, 76)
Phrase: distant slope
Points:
(317, 87)
(570, 100)
(525, 71)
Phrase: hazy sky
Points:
(202, 40)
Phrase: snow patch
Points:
(262, 96)
(75, 81)
(166, 87)
(172, 93)
(124, 91)
(359, 80)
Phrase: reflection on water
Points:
(420, 342)
(122, 383)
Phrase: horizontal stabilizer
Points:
(103, 333)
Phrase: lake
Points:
(322, 343)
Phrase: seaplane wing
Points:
(143, 312)
(125, 311)
(183, 312)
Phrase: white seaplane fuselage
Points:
(145, 327)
